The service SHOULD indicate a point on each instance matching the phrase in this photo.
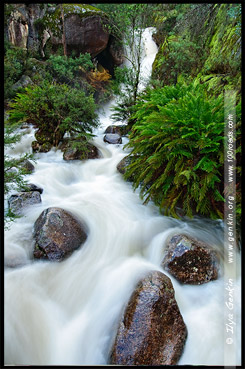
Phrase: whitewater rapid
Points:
(66, 313)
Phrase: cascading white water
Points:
(67, 313)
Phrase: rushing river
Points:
(66, 313)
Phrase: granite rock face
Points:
(57, 233)
(152, 330)
(86, 35)
(190, 261)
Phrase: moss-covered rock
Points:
(204, 43)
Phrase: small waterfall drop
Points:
(67, 313)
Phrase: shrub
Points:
(55, 109)
(65, 69)
(14, 65)
(14, 170)
(177, 152)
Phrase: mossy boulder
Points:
(84, 25)
(78, 149)
(203, 41)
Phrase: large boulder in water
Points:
(21, 200)
(121, 130)
(57, 233)
(190, 260)
(152, 330)
(113, 138)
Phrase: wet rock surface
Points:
(21, 200)
(121, 130)
(113, 138)
(28, 166)
(122, 165)
(57, 233)
(152, 330)
(32, 187)
(190, 261)
(89, 151)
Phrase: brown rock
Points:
(84, 34)
(57, 233)
(190, 260)
(18, 29)
(116, 51)
(152, 330)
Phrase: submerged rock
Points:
(113, 138)
(190, 260)
(21, 200)
(152, 330)
(57, 233)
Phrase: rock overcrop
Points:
(152, 330)
(57, 233)
(190, 260)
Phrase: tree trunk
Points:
(63, 31)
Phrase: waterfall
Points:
(66, 313)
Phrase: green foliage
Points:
(177, 150)
(55, 109)
(14, 171)
(176, 56)
(14, 65)
(123, 89)
(67, 68)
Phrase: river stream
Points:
(66, 313)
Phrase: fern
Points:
(177, 148)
